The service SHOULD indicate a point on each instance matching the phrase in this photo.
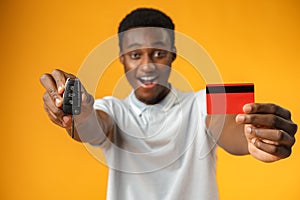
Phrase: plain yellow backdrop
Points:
(250, 41)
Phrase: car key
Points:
(72, 97)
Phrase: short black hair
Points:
(146, 17)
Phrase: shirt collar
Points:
(139, 107)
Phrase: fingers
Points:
(54, 84)
(275, 150)
(52, 116)
(60, 79)
(50, 85)
(262, 155)
(267, 108)
(268, 145)
(56, 114)
(51, 107)
(269, 121)
(269, 131)
(270, 136)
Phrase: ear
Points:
(174, 53)
(121, 58)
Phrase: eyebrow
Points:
(134, 45)
(154, 44)
(159, 43)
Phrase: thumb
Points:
(87, 100)
(86, 107)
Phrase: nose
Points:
(147, 64)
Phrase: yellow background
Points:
(250, 41)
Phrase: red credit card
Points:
(228, 98)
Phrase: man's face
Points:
(147, 57)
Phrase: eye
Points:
(134, 55)
(159, 54)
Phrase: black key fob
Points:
(72, 97)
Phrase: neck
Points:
(155, 100)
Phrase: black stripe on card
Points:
(229, 89)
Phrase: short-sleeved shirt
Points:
(161, 151)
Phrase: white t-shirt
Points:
(161, 151)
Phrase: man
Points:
(159, 142)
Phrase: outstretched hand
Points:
(269, 131)
(54, 85)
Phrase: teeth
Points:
(147, 78)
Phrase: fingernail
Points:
(249, 130)
(84, 97)
(57, 102)
(64, 124)
(253, 140)
(240, 118)
(65, 119)
(247, 108)
(60, 89)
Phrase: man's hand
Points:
(269, 131)
(54, 84)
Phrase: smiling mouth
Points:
(148, 81)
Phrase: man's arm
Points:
(266, 131)
(90, 126)
(227, 133)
